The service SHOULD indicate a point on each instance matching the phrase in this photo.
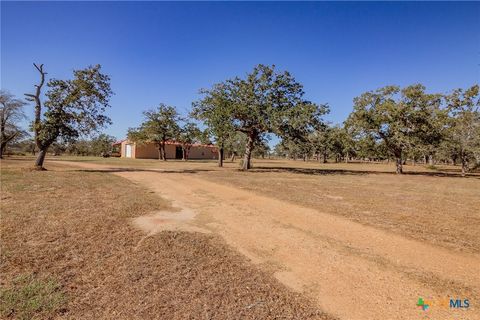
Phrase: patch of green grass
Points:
(29, 297)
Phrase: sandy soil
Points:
(353, 271)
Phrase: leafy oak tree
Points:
(188, 134)
(11, 113)
(266, 101)
(160, 126)
(464, 124)
(73, 107)
(102, 145)
(396, 116)
(214, 111)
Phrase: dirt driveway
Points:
(352, 271)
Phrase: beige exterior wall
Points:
(150, 151)
(201, 152)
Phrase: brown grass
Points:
(434, 206)
(75, 227)
(437, 206)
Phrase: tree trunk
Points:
(464, 164)
(248, 151)
(2, 149)
(430, 160)
(233, 157)
(160, 153)
(185, 154)
(398, 163)
(346, 158)
(220, 157)
(41, 158)
(325, 157)
(163, 153)
(37, 120)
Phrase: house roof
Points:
(118, 142)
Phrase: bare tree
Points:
(37, 122)
(11, 113)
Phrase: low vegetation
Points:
(29, 297)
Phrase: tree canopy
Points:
(265, 101)
(188, 134)
(11, 114)
(463, 131)
(74, 107)
(160, 125)
(398, 117)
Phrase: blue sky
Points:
(165, 52)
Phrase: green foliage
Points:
(235, 144)
(265, 101)
(188, 134)
(463, 131)
(160, 125)
(101, 145)
(75, 107)
(30, 297)
(401, 118)
(214, 111)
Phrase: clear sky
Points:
(165, 52)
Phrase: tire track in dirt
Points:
(352, 271)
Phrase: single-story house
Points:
(173, 150)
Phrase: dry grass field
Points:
(338, 235)
(436, 206)
(69, 250)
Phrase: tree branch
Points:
(38, 104)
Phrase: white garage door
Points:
(128, 150)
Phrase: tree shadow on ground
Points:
(116, 170)
(318, 171)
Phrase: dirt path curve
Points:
(352, 271)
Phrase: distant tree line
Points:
(99, 146)
(239, 115)
(403, 125)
